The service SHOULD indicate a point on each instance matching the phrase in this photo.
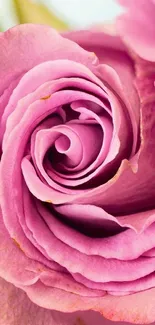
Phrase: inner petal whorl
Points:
(62, 144)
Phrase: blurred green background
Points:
(60, 14)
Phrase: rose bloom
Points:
(77, 173)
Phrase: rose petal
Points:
(95, 39)
(30, 38)
(111, 52)
(136, 27)
(17, 308)
(37, 77)
(128, 270)
(10, 250)
(137, 308)
(133, 245)
(47, 296)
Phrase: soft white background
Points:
(78, 13)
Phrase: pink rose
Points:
(77, 166)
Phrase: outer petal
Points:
(137, 27)
(135, 308)
(128, 308)
(16, 308)
(95, 38)
(25, 46)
